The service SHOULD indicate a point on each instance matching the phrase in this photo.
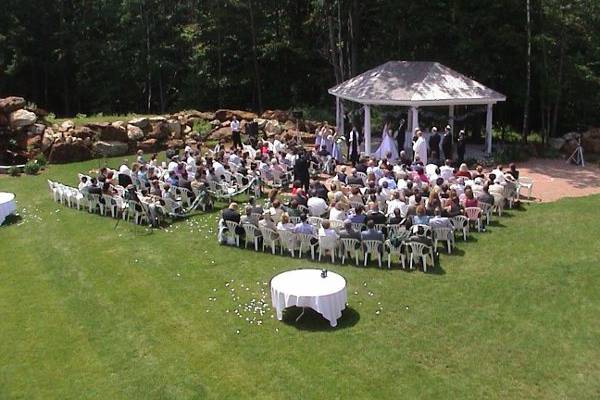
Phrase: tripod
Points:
(577, 156)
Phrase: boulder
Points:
(273, 128)
(175, 127)
(175, 144)
(10, 104)
(110, 148)
(278, 115)
(34, 141)
(593, 133)
(37, 129)
(40, 112)
(157, 119)
(66, 125)
(148, 145)
(82, 132)
(141, 122)
(159, 132)
(571, 136)
(69, 152)
(591, 144)
(215, 122)
(220, 133)
(187, 130)
(556, 143)
(22, 118)
(134, 133)
(289, 126)
(47, 142)
(262, 123)
(3, 120)
(112, 133)
(188, 114)
(225, 115)
(119, 124)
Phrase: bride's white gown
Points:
(388, 145)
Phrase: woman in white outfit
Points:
(388, 146)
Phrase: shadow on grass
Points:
(496, 224)
(12, 219)
(314, 322)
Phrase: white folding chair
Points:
(288, 241)
(252, 235)
(270, 238)
(443, 234)
(420, 250)
(474, 215)
(327, 244)
(524, 182)
(460, 224)
(350, 246)
(232, 228)
(397, 250)
(307, 241)
(372, 248)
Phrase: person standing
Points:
(461, 146)
(434, 143)
(353, 143)
(400, 136)
(236, 137)
(447, 143)
(301, 170)
(420, 147)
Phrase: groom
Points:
(354, 140)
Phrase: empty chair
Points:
(395, 229)
(524, 182)
(94, 203)
(327, 244)
(421, 230)
(306, 241)
(348, 247)
(110, 203)
(486, 209)
(397, 249)
(460, 224)
(443, 234)
(270, 238)
(233, 229)
(474, 215)
(498, 203)
(288, 241)
(372, 248)
(420, 250)
(252, 235)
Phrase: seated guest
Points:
(437, 221)
(470, 200)
(276, 210)
(420, 175)
(83, 182)
(155, 189)
(513, 171)
(303, 226)
(248, 218)
(284, 224)
(231, 213)
(349, 232)
(371, 233)
(337, 212)
(421, 218)
(358, 217)
(395, 218)
(447, 171)
(486, 197)
(354, 179)
(356, 196)
(341, 175)
(478, 172)
(256, 209)
(267, 221)
(172, 180)
(463, 171)
(300, 197)
(375, 215)
(316, 205)
(293, 210)
(396, 204)
(326, 230)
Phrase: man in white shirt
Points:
(316, 206)
(396, 203)
(326, 231)
(219, 168)
(447, 171)
(236, 137)
(375, 170)
(499, 174)
(420, 147)
(173, 164)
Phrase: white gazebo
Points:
(413, 84)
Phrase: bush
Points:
(14, 171)
(32, 167)
(41, 160)
(202, 127)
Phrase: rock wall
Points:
(24, 132)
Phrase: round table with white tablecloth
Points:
(7, 205)
(306, 288)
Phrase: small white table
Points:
(306, 288)
(7, 205)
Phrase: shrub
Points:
(32, 167)
(41, 160)
(202, 127)
(14, 171)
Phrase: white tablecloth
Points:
(7, 205)
(306, 288)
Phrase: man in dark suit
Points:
(434, 142)
(353, 141)
(301, 167)
(447, 143)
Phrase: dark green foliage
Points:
(32, 167)
(151, 56)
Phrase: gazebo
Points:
(413, 84)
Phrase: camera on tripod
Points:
(577, 156)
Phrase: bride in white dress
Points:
(388, 145)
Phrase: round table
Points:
(306, 288)
(7, 205)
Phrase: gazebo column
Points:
(488, 129)
(341, 129)
(451, 117)
(337, 114)
(367, 130)
(414, 111)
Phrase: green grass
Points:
(93, 312)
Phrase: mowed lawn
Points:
(90, 310)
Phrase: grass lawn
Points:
(93, 312)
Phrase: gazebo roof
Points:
(415, 83)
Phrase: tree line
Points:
(152, 56)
